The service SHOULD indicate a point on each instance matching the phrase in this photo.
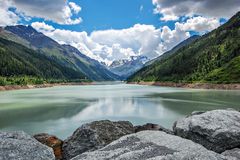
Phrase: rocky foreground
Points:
(212, 135)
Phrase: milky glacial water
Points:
(61, 110)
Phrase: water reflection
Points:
(61, 110)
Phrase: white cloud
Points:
(42, 26)
(58, 11)
(75, 7)
(142, 39)
(109, 45)
(7, 17)
(173, 9)
(199, 24)
(171, 38)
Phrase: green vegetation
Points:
(20, 80)
(215, 58)
(65, 55)
(26, 80)
(20, 65)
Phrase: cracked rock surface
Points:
(217, 130)
(152, 145)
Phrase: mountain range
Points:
(126, 67)
(66, 56)
(213, 57)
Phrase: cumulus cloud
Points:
(199, 24)
(42, 26)
(7, 17)
(59, 11)
(171, 38)
(110, 45)
(173, 9)
(75, 7)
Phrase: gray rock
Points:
(217, 130)
(153, 127)
(154, 145)
(21, 146)
(234, 153)
(95, 135)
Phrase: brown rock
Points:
(51, 141)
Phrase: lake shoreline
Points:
(47, 85)
(163, 84)
(192, 85)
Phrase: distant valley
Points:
(126, 67)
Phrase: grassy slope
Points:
(17, 60)
(212, 58)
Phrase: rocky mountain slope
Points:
(66, 55)
(214, 58)
(126, 67)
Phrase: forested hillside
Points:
(174, 50)
(19, 61)
(215, 58)
(64, 54)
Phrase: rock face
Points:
(151, 145)
(51, 141)
(21, 146)
(153, 127)
(95, 135)
(234, 153)
(217, 130)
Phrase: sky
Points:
(109, 30)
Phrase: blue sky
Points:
(109, 30)
(106, 14)
(111, 14)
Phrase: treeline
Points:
(21, 65)
(26, 80)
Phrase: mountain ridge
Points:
(69, 57)
(214, 58)
(20, 61)
(174, 49)
(126, 67)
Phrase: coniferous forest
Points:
(213, 58)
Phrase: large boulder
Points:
(151, 145)
(95, 135)
(152, 127)
(21, 146)
(217, 130)
(51, 141)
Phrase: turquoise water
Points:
(60, 110)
